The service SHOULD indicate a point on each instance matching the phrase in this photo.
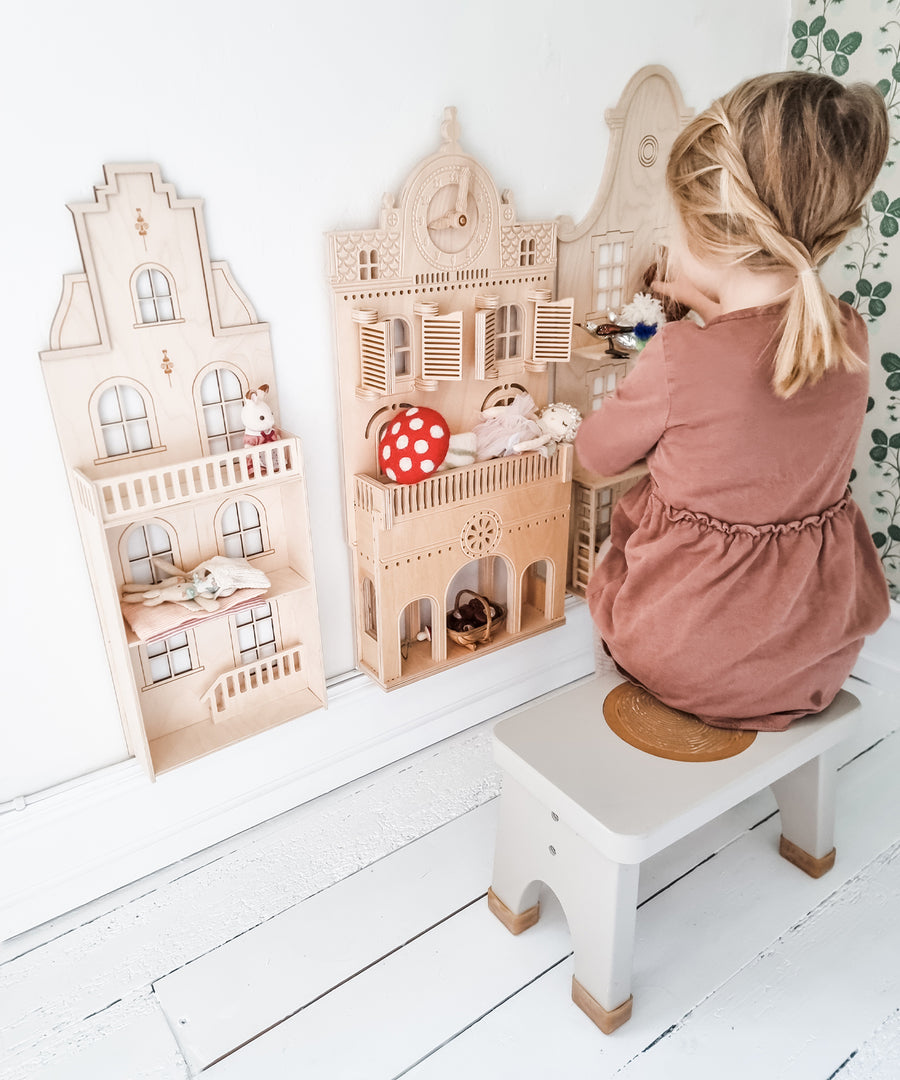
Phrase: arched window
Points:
(508, 336)
(503, 395)
(241, 527)
(154, 295)
(143, 544)
(368, 264)
(526, 251)
(370, 609)
(221, 398)
(124, 420)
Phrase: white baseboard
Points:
(115, 826)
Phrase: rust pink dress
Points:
(741, 579)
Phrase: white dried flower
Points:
(645, 309)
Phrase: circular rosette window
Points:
(481, 534)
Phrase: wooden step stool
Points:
(580, 810)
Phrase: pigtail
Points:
(773, 176)
(813, 341)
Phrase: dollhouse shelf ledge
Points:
(282, 582)
(119, 498)
(456, 487)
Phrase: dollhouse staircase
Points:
(265, 679)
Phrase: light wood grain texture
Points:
(602, 261)
(449, 302)
(151, 350)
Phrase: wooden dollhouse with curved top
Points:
(602, 262)
(152, 352)
(450, 302)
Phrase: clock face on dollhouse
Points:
(451, 216)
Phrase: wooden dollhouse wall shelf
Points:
(448, 303)
(152, 351)
(602, 261)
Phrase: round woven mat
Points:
(644, 722)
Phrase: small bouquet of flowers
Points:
(645, 315)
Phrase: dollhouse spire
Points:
(450, 132)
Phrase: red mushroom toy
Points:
(414, 443)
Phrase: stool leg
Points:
(600, 905)
(518, 850)
(805, 798)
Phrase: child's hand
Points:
(685, 292)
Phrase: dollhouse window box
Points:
(122, 497)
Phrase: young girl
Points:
(740, 578)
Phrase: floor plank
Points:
(237, 991)
(821, 984)
(878, 1056)
(130, 1039)
(402, 1008)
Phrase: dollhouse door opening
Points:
(419, 646)
(488, 578)
(537, 594)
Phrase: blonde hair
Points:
(773, 175)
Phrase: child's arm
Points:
(630, 423)
(684, 292)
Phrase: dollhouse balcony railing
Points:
(455, 487)
(121, 498)
(228, 694)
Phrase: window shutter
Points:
(485, 344)
(553, 322)
(442, 347)
(374, 355)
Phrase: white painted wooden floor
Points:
(350, 938)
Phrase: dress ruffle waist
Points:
(679, 515)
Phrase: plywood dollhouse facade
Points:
(449, 303)
(602, 262)
(152, 350)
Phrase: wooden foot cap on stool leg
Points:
(514, 923)
(605, 1019)
(809, 864)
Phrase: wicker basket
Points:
(478, 635)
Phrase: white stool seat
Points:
(581, 809)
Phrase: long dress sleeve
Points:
(630, 423)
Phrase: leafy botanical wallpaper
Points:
(859, 40)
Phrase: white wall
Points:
(289, 123)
